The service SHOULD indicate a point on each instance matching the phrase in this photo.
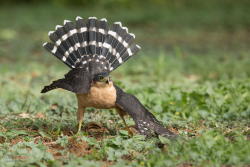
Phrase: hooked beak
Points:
(108, 80)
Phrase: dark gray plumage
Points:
(146, 123)
(76, 80)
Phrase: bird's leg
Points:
(122, 113)
(80, 112)
(126, 126)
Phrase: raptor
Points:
(92, 50)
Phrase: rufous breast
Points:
(101, 95)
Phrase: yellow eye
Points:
(101, 78)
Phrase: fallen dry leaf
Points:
(24, 115)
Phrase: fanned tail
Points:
(79, 43)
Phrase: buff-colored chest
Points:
(101, 95)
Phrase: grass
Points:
(192, 73)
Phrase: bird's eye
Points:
(101, 77)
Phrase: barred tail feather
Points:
(92, 28)
(82, 36)
(65, 42)
(132, 50)
(83, 41)
(70, 29)
(56, 52)
(59, 48)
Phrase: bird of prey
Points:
(92, 50)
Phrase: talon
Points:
(129, 131)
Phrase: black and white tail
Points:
(77, 43)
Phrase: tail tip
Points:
(58, 26)
(78, 18)
(44, 44)
(66, 21)
(138, 46)
(92, 17)
(133, 35)
(119, 23)
(50, 32)
(126, 29)
(104, 19)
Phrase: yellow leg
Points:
(80, 112)
(121, 113)
(79, 126)
(124, 122)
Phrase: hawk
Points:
(92, 50)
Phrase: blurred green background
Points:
(206, 38)
(193, 74)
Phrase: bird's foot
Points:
(95, 129)
(92, 125)
(131, 130)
